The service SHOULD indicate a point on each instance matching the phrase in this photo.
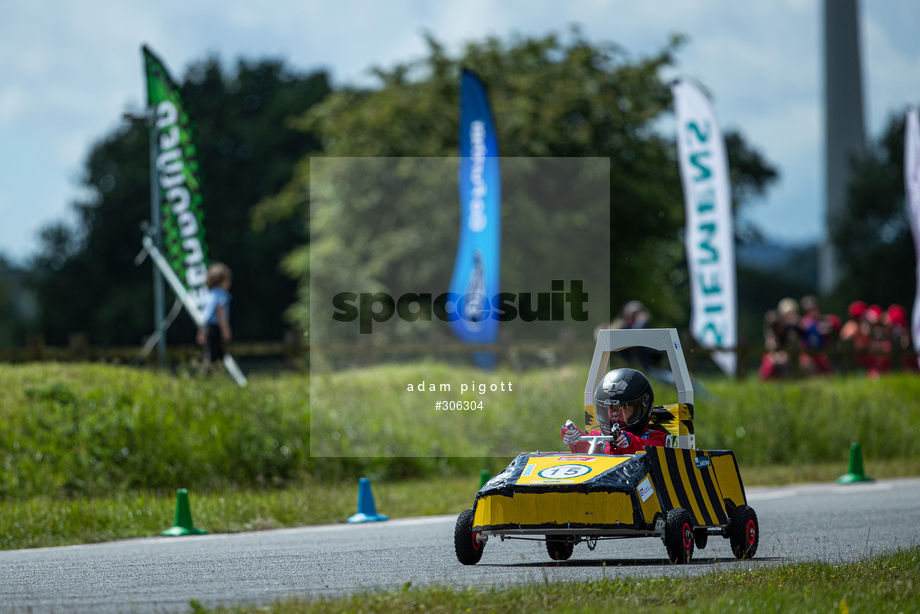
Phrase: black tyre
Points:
(700, 538)
(744, 532)
(560, 547)
(468, 549)
(678, 535)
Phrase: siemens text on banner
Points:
(178, 178)
(710, 235)
(912, 190)
(477, 266)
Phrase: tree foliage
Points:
(85, 276)
(550, 98)
(873, 238)
(17, 305)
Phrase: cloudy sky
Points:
(69, 69)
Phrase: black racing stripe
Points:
(654, 461)
(692, 476)
(679, 488)
(740, 481)
(688, 424)
(717, 505)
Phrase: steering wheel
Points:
(595, 440)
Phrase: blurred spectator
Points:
(855, 330)
(632, 315)
(895, 319)
(635, 315)
(817, 332)
(867, 338)
(878, 359)
(781, 336)
(788, 310)
(854, 338)
(775, 361)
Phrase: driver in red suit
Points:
(624, 397)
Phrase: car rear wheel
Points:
(744, 532)
(468, 548)
(560, 547)
(678, 535)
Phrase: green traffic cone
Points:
(855, 473)
(183, 524)
(484, 476)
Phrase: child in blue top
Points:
(216, 329)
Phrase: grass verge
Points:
(45, 521)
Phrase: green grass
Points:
(777, 475)
(97, 430)
(886, 583)
(784, 423)
(94, 452)
(813, 421)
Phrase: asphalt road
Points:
(823, 522)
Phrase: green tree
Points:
(873, 238)
(17, 305)
(85, 277)
(550, 98)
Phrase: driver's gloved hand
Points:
(570, 433)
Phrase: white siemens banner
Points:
(710, 235)
(912, 190)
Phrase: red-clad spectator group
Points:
(812, 343)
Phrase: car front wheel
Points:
(467, 546)
(678, 535)
(744, 532)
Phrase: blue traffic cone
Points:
(855, 473)
(367, 511)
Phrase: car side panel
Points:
(729, 477)
(554, 509)
(687, 479)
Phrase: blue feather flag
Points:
(475, 279)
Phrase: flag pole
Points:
(159, 297)
(152, 228)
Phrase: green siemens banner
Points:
(182, 216)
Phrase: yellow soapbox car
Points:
(676, 493)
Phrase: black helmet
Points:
(624, 387)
